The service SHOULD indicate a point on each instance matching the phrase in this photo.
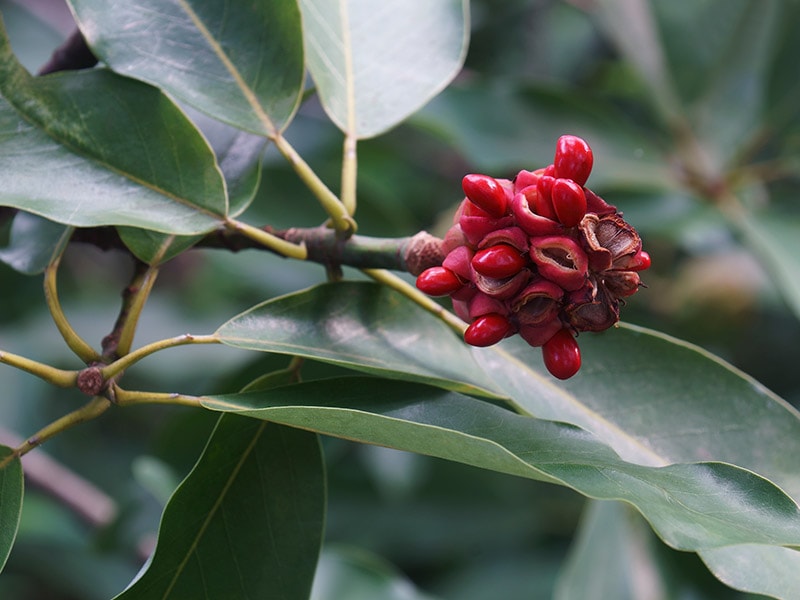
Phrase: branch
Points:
(324, 246)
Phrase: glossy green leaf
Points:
(770, 570)
(691, 506)
(11, 491)
(241, 63)
(654, 399)
(239, 156)
(44, 177)
(376, 65)
(356, 574)
(89, 148)
(657, 400)
(363, 326)
(32, 243)
(247, 522)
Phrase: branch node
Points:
(91, 381)
(422, 251)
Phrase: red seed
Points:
(487, 330)
(543, 200)
(438, 281)
(561, 354)
(569, 201)
(499, 262)
(640, 261)
(573, 159)
(486, 193)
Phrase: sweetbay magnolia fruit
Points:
(541, 256)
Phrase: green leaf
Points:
(658, 400)
(32, 242)
(11, 491)
(247, 521)
(691, 506)
(654, 399)
(770, 570)
(356, 574)
(376, 65)
(239, 156)
(43, 177)
(241, 63)
(360, 325)
(153, 247)
(89, 148)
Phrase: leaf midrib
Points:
(247, 92)
(211, 513)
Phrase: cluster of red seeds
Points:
(542, 256)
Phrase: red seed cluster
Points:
(541, 256)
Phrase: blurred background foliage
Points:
(535, 69)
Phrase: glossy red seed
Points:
(438, 281)
(543, 200)
(569, 201)
(640, 261)
(573, 159)
(487, 330)
(498, 261)
(561, 354)
(486, 193)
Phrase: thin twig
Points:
(57, 377)
(91, 410)
(119, 341)
(75, 342)
(124, 362)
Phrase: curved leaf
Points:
(363, 326)
(770, 570)
(103, 150)
(691, 506)
(246, 522)
(654, 399)
(11, 491)
(375, 65)
(241, 63)
(239, 156)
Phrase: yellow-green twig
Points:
(349, 174)
(342, 221)
(130, 398)
(50, 374)
(91, 410)
(268, 240)
(126, 361)
(82, 349)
